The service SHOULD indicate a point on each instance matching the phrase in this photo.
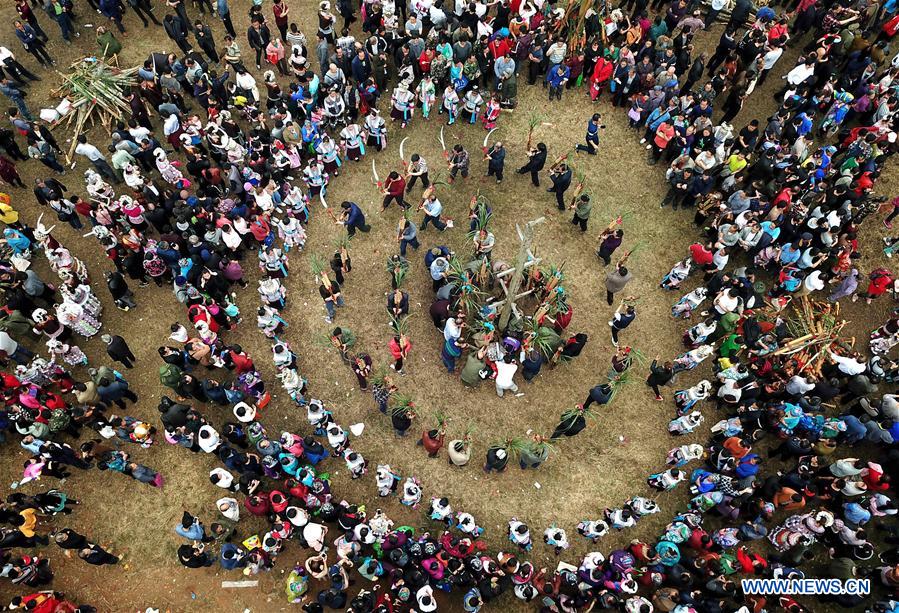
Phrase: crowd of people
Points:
(185, 201)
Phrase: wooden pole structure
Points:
(526, 236)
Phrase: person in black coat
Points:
(659, 374)
(496, 160)
(69, 539)
(46, 190)
(138, 109)
(695, 73)
(600, 394)
(258, 35)
(121, 294)
(206, 41)
(118, 350)
(176, 29)
(560, 176)
(96, 555)
(215, 392)
(172, 414)
(740, 13)
(536, 162)
(361, 68)
(726, 44)
(10, 146)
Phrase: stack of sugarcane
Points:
(97, 92)
(574, 22)
(815, 328)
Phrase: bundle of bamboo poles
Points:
(97, 93)
(574, 20)
(815, 327)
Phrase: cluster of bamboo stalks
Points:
(575, 19)
(816, 328)
(96, 91)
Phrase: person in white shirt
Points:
(768, 61)
(171, 125)
(422, 8)
(727, 301)
(437, 16)
(505, 371)
(798, 385)
(229, 508)
(555, 54)
(246, 82)
(139, 133)
(413, 25)
(13, 350)
(453, 329)
(223, 479)
(208, 439)
(848, 365)
(813, 282)
(804, 70)
(711, 15)
(96, 158)
(719, 260)
(432, 209)
(13, 69)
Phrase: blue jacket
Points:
(497, 157)
(658, 116)
(10, 91)
(111, 9)
(356, 216)
(430, 257)
(112, 392)
(27, 36)
(232, 557)
(361, 68)
(555, 79)
(194, 533)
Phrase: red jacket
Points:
(602, 72)
(700, 254)
(395, 187)
(499, 47)
(873, 480)
(397, 350)
(424, 61)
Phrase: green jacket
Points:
(729, 347)
(17, 326)
(108, 44)
(169, 375)
(582, 210)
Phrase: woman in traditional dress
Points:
(491, 112)
(70, 354)
(167, 169)
(403, 105)
(426, 95)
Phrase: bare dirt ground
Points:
(595, 470)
